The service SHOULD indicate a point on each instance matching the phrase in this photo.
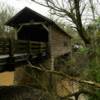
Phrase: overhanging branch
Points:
(74, 14)
(91, 83)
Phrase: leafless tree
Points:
(6, 12)
(72, 10)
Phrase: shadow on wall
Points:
(6, 78)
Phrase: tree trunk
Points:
(80, 28)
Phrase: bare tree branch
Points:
(83, 9)
(73, 12)
(92, 8)
(91, 83)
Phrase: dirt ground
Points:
(6, 78)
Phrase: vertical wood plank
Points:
(11, 49)
(11, 60)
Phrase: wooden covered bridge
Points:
(38, 38)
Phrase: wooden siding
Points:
(60, 43)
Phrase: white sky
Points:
(20, 4)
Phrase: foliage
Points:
(92, 70)
(6, 12)
(97, 97)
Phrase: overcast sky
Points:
(20, 4)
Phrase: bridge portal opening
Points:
(33, 33)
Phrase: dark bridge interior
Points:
(33, 33)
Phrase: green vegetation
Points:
(6, 12)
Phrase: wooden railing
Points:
(11, 47)
(18, 51)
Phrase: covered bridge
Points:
(34, 27)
